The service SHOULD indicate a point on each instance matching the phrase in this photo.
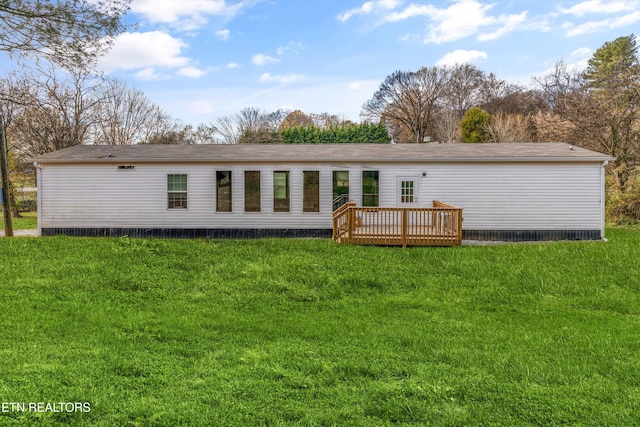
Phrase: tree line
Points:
(596, 108)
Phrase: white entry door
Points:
(407, 191)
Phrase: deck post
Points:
(351, 221)
(459, 230)
(405, 224)
(335, 229)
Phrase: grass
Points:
(27, 221)
(305, 332)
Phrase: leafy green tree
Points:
(259, 136)
(364, 133)
(473, 125)
(611, 63)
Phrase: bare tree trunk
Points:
(4, 177)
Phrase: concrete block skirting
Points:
(189, 233)
(232, 233)
(530, 235)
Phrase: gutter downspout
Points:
(39, 195)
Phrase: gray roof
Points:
(389, 153)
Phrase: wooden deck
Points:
(440, 225)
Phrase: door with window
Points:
(407, 191)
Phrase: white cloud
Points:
(603, 25)
(576, 61)
(191, 72)
(412, 11)
(460, 56)
(293, 47)
(232, 65)
(223, 35)
(144, 50)
(580, 54)
(365, 9)
(261, 59)
(511, 23)
(463, 18)
(599, 7)
(185, 14)
(579, 59)
(389, 4)
(283, 78)
(148, 74)
(368, 8)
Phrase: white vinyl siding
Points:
(507, 196)
(520, 196)
(93, 196)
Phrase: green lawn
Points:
(306, 332)
(28, 220)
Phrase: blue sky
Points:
(202, 59)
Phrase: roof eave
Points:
(497, 159)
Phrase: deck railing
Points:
(340, 200)
(439, 225)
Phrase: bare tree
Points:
(8, 108)
(204, 134)
(327, 120)
(250, 119)
(508, 128)
(58, 109)
(66, 32)
(274, 119)
(448, 125)
(126, 116)
(225, 127)
(606, 119)
(409, 99)
(464, 88)
(250, 126)
(551, 127)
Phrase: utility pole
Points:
(4, 177)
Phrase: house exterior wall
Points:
(494, 196)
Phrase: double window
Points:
(177, 191)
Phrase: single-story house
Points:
(529, 191)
